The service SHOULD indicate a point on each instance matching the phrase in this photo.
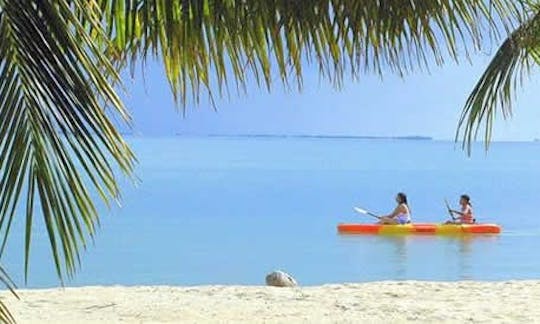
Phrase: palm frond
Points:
(496, 88)
(5, 314)
(224, 41)
(56, 136)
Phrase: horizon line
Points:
(329, 136)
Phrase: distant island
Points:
(411, 137)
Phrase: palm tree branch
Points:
(495, 89)
(57, 135)
(5, 314)
(259, 36)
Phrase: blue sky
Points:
(420, 104)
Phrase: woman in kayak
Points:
(465, 215)
(400, 215)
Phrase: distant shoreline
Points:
(409, 137)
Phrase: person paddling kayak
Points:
(401, 214)
(465, 215)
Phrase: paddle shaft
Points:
(449, 209)
(452, 215)
(365, 212)
(373, 215)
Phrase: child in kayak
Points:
(401, 214)
(465, 215)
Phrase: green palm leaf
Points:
(56, 134)
(495, 90)
(236, 41)
(5, 315)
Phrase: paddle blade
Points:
(365, 212)
(360, 210)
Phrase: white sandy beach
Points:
(434, 302)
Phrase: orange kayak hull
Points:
(419, 228)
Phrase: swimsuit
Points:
(403, 219)
(467, 217)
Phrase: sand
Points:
(375, 302)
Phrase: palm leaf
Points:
(56, 134)
(248, 39)
(5, 314)
(495, 90)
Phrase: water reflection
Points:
(468, 247)
(399, 244)
(420, 257)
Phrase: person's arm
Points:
(394, 213)
(398, 210)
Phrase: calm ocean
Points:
(227, 210)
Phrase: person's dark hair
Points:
(402, 198)
(467, 199)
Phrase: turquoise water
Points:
(216, 210)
